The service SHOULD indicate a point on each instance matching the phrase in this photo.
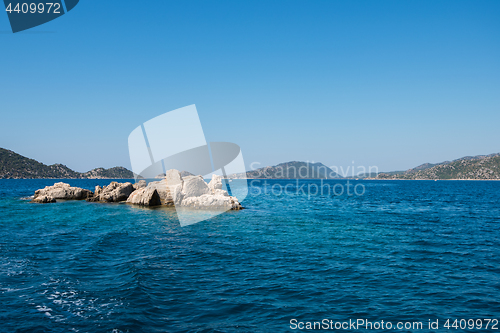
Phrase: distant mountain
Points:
(112, 173)
(425, 166)
(290, 170)
(15, 166)
(468, 167)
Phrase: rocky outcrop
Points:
(145, 197)
(114, 192)
(164, 191)
(63, 191)
(167, 185)
(189, 192)
(44, 199)
(195, 193)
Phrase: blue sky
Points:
(386, 83)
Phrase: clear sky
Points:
(386, 83)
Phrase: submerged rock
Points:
(145, 197)
(63, 191)
(44, 199)
(210, 201)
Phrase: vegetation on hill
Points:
(469, 167)
(116, 173)
(15, 166)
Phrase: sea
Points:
(398, 252)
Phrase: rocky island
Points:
(172, 190)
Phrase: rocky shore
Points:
(172, 190)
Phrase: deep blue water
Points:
(403, 251)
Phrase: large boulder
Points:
(145, 197)
(194, 186)
(167, 186)
(185, 187)
(44, 199)
(163, 190)
(195, 193)
(63, 191)
(114, 192)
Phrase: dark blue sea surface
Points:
(403, 251)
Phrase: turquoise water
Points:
(403, 251)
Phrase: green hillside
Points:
(475, 167)
(116, 172)
(15, 166)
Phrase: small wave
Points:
(43, 308)
(28, 198)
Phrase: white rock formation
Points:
(215, 183)
(114, 192)
(63, 191)
(189, 192)
(166, 186)
(195, 186)
(210, 201)
(145, 197)
(220, 193)
(173, 177)
(178, 195)
(163, 190)
(195, 193)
